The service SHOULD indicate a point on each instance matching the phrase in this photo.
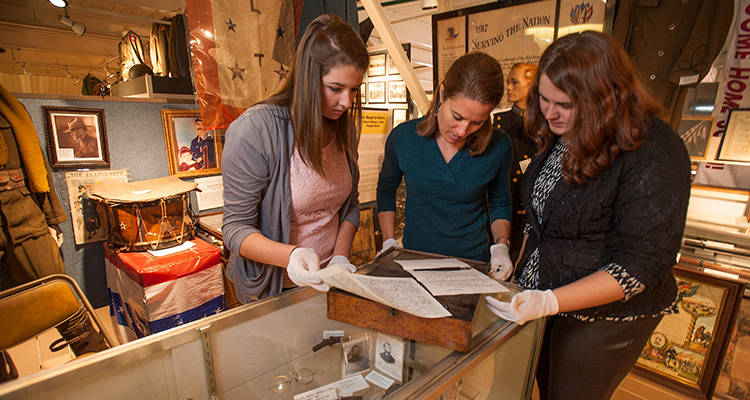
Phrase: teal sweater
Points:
(446, 203)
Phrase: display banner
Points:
(241, 53)
(734, 80)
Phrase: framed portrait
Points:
(397, 92)
(735, 144)
(685, 350)
(191, 150)
(363, 92)
(377, 65)
(356, 355)
(389, 357)
(696, 133)
(76, 137)
(375, 92)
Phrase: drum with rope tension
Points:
(147, 215)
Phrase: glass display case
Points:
(264, 350)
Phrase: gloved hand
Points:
(303, 267)
(525, 306)
(344, 262)
(387, 244)
(500, 265)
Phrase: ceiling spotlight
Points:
(77, 27)
(429, 4)
(67, 73)
(25, 69)
(59, 3)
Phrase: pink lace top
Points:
(316, 200)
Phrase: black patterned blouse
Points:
(549, 176)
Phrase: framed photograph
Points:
(735, 144)
(363, 92)
(397, 92)
(399, 116)
(734, 374)
(375, 92)
(377, 65)
(76, 137)
(696, 133)
(356, 356)
(389, 357)
(685, 350)
(191, 150)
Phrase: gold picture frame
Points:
(187, 155)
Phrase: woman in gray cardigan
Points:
(606, 201)
(284, 157)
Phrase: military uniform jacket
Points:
(27, 214)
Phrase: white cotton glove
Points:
(500, 265)
(525, 306)
(303, 267)
(344, 262)
(387, 244)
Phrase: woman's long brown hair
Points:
(610, 106)
(327, 43)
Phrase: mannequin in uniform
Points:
(519, 81)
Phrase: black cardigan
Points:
(632, 214)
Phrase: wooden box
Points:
(452, 332)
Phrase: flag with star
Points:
(241, 54)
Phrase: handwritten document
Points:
(454, 282)
(403, 294)
(432, 263)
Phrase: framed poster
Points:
(89, 216)
(76, 137)
(397, 92)
(685, 349)
(734, 373)
(375, 92)
(377, 65)
(735, 144)
(191, 150)
(696, 133)
(511, 32)
(363, 92)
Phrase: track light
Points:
(25, 69)
(59, 3)
(77, 27)
(429, 4)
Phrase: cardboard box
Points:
(149, 294)
(452, 332)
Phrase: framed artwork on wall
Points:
(76, 137)
(375, 92)
(735, 144)
(696, 133)
(377, 65)
(363, 92)
(734, 373)
(397, 92)
(685, 349)
(191, 150)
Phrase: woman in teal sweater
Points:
(455, 168)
